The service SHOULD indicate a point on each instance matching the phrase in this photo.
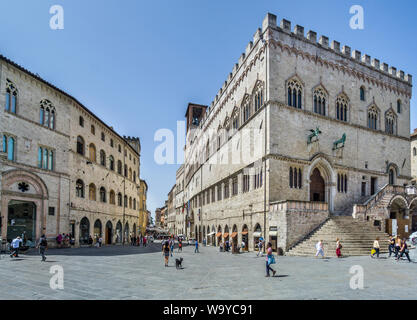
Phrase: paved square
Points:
(139, 273)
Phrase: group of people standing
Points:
(399, 247)
(65, 240)
(138, 240)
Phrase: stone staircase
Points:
(357, 238)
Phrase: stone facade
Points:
(254, 147)
(414, 156)
(143, 211)
(68, 158)
(171, 213)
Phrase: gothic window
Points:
(342, 182)
(47, 114)
(390, 122)
(102, 158)
(235, 121)
(120, 148)
(246, 109)
(119, 167)
(102, 194)
(130, 202)
(226, 190)
(295, 178)
(111, 143)
(258, 96)
(92, 192)
(245, 183)
(130, 174)
(219, 192)
(391, 176)
(362, 93)
(112, 197)
(79, 188)
(11, 97)
(234, 186)
(373, 118)
(9, 147)
(399, 106)
(295, 93)
(342, 110)
(92, 152)
(213, 194)
(80, 145)
(125, 170)
(125, 201)
(119, 199)
(320, 99)
(103, 137)
(45, 158)
(134, 176)
(134, 204)
(111, 161)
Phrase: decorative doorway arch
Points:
(84, 230)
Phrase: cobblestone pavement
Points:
(139, 273)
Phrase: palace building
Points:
(62, 169)
(302, 130)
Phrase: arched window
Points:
(119, 167)
(93, 129)
(342, 111)
(112, 197)
(130, 202)
(103, 194)
(45, 159)
(134, 176)
(102, 158)
(79, 188)
(47, 114)
(134, 204)
(130, 174)
(92, 151)
(80, 145)
(8, 147)
(111, 161)
(362, 93)
(391, 176)
(125, 202)
(320, 99)
(81, 121)
(119, 199)
(373, 118)
(399, 106)
(103, 136)
(295, 93)
(291, 178)
(92, 192)
(390, 122)
(125, 171)
(246, 109)
(11, 97)
(258, 96)
(235, 119)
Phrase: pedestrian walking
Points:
(403, 250)
(43, 246)
(171, 244)
(16, 243)
(391, 246)
(59, 240)
(179, 245)
(259, 248)
(338, 248)
(397, 245)
(375, 250)
(144, 241)
(320, 249)
(165, 252)
(196, 247)
(270, 259)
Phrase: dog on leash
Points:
(178, 263)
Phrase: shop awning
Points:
(234, 234)
(257, 234)
(273, 233)
(218, 234)
(244, 232)
(226, 234)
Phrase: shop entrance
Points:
(21, 221)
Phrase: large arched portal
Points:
(317, 187)
(398, 222)
(109, 232)
(84, 230)
(21, 220)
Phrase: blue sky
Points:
(136, 64)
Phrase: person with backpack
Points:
(43, 245)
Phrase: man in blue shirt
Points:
(15, 247)
(196, 246)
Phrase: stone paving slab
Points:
(130, 273)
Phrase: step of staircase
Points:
(357, 238)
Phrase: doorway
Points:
(373, 185)
(363, 190)
(317, 187)
(21, 222)
(109, 232)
